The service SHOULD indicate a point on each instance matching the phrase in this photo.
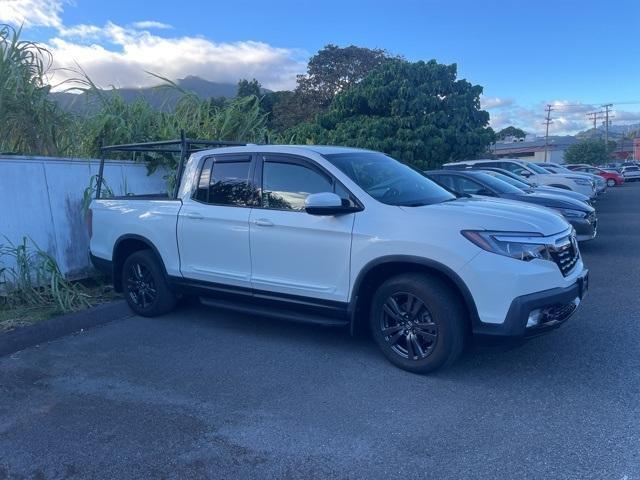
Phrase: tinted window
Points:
(227, 183)
(202, 192)
(388, 180)
(287, 185)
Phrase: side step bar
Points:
(275, 312)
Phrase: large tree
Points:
(330, 71)
(510, 131)
(590, 150)
(419, 113)
(246, 88)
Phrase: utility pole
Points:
(548, 121)
(595, 116)
(606, 124)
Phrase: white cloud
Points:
(568, 117)
(151, 24)
(120, 56)
(488, 103)
(44, 13)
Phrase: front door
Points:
(213, 225)
(293, 252)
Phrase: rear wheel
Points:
(611, 182)
(418, 323)
(145, 285)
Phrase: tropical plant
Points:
(31, 276)
(32, 123)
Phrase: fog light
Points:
(534, 317)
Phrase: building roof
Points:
(536, 145)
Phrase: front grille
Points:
(566, 254)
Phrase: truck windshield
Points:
(388, 180)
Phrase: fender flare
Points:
(444, 270)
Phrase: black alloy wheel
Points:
(141, 288)
(408, 327)
(145, 284)
(419, 321)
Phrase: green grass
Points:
(14, 316)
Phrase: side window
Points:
(447, 181)
(287, 185)
(202, 191)
(515, 168)
(469, 186)
(225, 181)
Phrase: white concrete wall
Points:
(41, 197)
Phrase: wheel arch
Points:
(377, 271)
(123, 248)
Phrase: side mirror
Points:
(326, 203)
(485, 193)
(525, 173)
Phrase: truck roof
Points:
(320, 149)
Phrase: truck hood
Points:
(477, 213)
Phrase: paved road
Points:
(201, 394)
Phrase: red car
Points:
(612, 178)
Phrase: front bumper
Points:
(555, 306)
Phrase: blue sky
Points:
(526, 54)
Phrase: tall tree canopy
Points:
(510, 131)
(330, 71)
(247, 88)
(416, 112)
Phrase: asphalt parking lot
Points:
(204, 394)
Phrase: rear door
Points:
(292, 252)
(213, 225)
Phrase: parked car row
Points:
(579, 214)
(347, 237)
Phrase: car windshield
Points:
(511, 181)
(631, 169)
(495, 183)
(388, 180)
(536, 168)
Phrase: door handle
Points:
(194, 215)
(263, 222)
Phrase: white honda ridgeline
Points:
(342, 236)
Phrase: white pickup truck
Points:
(342, 236)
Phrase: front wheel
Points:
(418, 323)
(145, 285)
(611, 182)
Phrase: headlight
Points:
(521, 246)
(583, 181)
(569, 213)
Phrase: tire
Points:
(611, 182)
(145, 285)
(437, 324)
